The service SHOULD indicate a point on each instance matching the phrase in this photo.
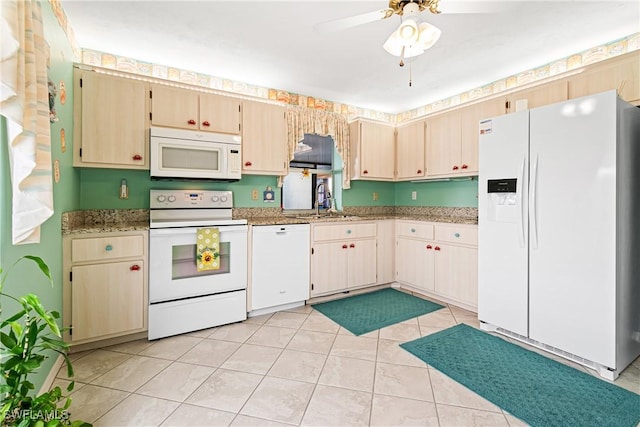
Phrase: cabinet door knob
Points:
(455, 168)
(206, 123)
(364, 172)
(191, 122)
(437, 248)
(353, 245)
(283, 292)
(419, 171)
(247, 163)
(456, 234)
(348, 231)
(413, 230)
(134, 267)
(344, 246)
(465, 166)
(108, 248)
(137, 157)
(429, 247)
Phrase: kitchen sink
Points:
(327, 216)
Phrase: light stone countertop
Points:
(115, 220)
(336, 218)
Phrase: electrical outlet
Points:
(414, 195)
(254, 195)
(375, 195)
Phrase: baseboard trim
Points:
(48, 382)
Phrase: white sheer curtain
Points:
(24, 101)
(301, 120)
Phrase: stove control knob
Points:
(171, 199)
(223, 199)
(214, 198)
(161, 198)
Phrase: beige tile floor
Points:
(292, 367)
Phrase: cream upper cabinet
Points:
(105, 289)
(264, 139)
(110, 122)
(372, 150)
(470, 118)
(443, 144)
(538, 96)
(187, 109)
(410, 146)
(621, 73)
(220, 113)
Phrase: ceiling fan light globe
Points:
(429, 35)
(393, 45)
(413, 50)
(408, 31)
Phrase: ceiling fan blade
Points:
(352, 21)
(468, 7)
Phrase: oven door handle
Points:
(192, 230)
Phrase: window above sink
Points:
(313, 172)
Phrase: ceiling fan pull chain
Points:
(409, 74)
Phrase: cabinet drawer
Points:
(105, 248)
(419, 230)
(341, 231)
(453, 234)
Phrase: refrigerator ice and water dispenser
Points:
(503, 202)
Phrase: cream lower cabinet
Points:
(415, 261)
(456, 273)
(343, 257)
(105, 289)
(440, 260)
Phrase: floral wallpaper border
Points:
(130, 65)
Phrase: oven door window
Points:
(183, 262)
(182, 158)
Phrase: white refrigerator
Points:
(559, 229)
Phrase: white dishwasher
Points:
(280, 274)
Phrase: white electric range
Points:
(181, 298)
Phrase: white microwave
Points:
(188, 154)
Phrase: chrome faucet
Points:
(318, 197)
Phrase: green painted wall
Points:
(361, 194)
(100, 189)
(439, 193)
(26, 278)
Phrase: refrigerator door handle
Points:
(519, 195)
(532, 205)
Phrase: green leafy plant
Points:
(26, 336)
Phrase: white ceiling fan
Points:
(412, 37)
(396, 7)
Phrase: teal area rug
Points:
(534, 388)
(367, 312)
